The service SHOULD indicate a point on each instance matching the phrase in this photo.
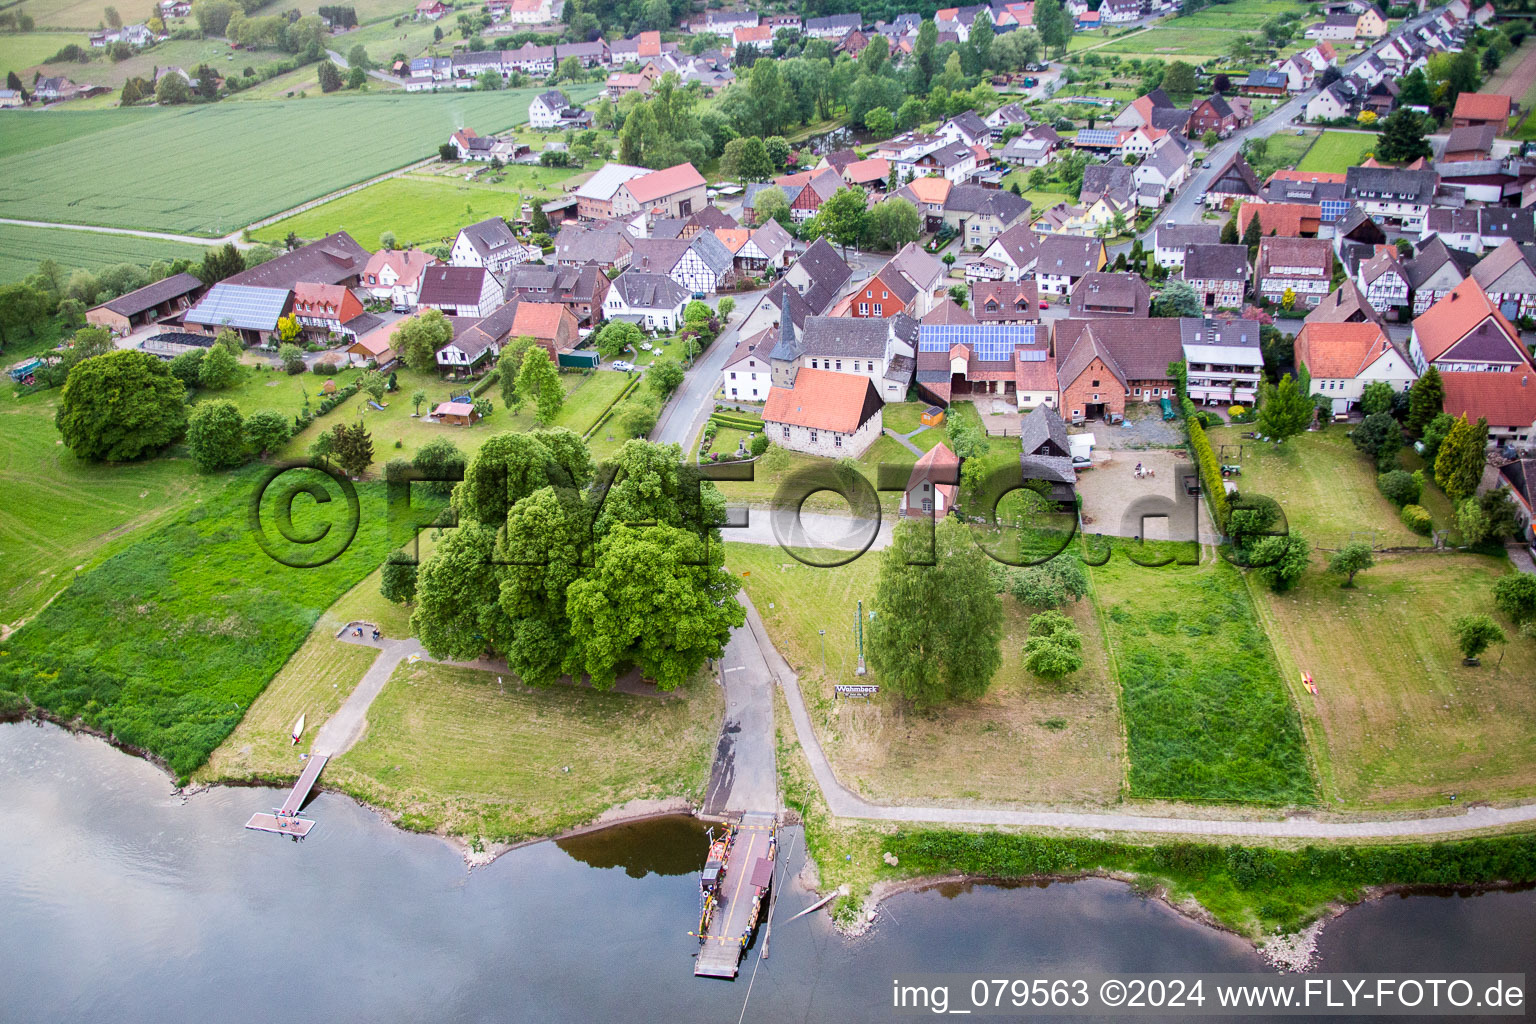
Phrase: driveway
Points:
(684, 416)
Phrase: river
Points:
(126, 902)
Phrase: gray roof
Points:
(452, 286)
(1204, 262)
(489, 236)
(1431, 255)
(1071, 255)
(649, 291)
(988, 202)
(151, 295)
(331, 260)
(1042, 432)
(845, 336)
(1391, 183)
(1113, 180)
(555, 100)
(604, 245)
(827, 271)
(1177, 236)
(971, 124)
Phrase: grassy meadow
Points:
(22, 248)
(450, 749)
(82, 14)
(219, 167)
(166, 643)
(1207, 715)
(1025, 741)
(1403, 721)
(1335, 152)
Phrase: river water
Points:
(124, 902)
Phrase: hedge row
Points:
(1417, 519)
(1210, 473)
(485, 382)
(327, 403)
(602, 417)
(739, 422)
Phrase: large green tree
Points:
(417, 340)
(841, 218)
(1281, 560)
(539, 382)
(1053, 23)
(220, 369)
(458, 596)
(1425, 399)
(267, 430)
(216, 435)
(937, 629)
(1285, 409)
(1351, 560)
(439, 458)
(1402, 138)
(120, 405)
(892, 224)
(1055, 647)
(617, 337)
(1459, 463)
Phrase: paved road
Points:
(745, 774)
(341, 62)
(165, 235)
(684, 416)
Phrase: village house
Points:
(653, 302)
(819, 276)
(1339, 27)
(1222, 359)
(905, 284)
(830, 414)
(374, 348)
(327, 309)
(608, 246)
(1401, 195)
(929, 196)
(833, 27)
(1235, 182)
(701, 264)
(1154, 110)
(1005, 302)
(1063, 260)
(966, 128)
(1519, 476)
(1218, 274)
(1465, 333)
(595, 196)
(147, 305)
(1302, 266)
(747, 375)
(394, 276)
(1476, 109)
(934, 484)
(673, 192)
(1164, 171)
(551, 109)
(780, 304)
(1170, 241)
(757, 249)
(460, 291)
(582, 290)
(1007, 258)
(1509, 279)
(489, 243)
(1470, 143)
(482, 148)
(1288, 220)
(1309, 188)
(334, 259)
(1383, 280)
(880, 350)
(1099, 294)
(1356, 237)
(979, 214)
(1434, 270)
(1034, 148)
(1506, 400)
(1342, 358)
(1265, 82)
(1104, 364)
(953, 160)
(1003, 116)
(1214, 114)
(1113, 181)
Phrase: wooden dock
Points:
(743, 897)
(284, 820)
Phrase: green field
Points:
(22, 131)
(185, 53)
(419, 209)
(216, 168)
(166, 643)
(82, 14)
(1283, 149)
(20, 51)
(22, 248)
(1336, 152)
(1240, 14)
(1207, 716)
(61, 513)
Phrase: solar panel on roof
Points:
(988, 342)
(1097, 136)
(244, 306)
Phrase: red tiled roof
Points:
(408, 263)
(1454, 316)
(940, 465)
(873, 169)
(1482, 106)
(1318, 176)
(668, 181)
(1340, 351)
(538, 319)
(648, 44)
(821, 399)
(1287, 220)
(1503, 399)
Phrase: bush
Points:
(324, 369)
(1401, 487)
(1210, 472)
(759, 445)
(1417, 519)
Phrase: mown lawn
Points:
(1207, 716)
(214, 166)
(62, 513)
(419, 209)
(20, 51)
(903, 417)
(1405, 722)
(1239, 14)
(1284, 149)
(1336, 152)
(1326, 487)
(83, 14)
(1026, 740)
(453, 750)
(166, 643)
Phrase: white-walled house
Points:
(489, 244)
(826, 413)
(747, 375)
(653, 302)
(545, 109)
(1344, 358)
(933, 485)
(394, 275)
(460, 291)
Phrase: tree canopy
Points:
(120, 405)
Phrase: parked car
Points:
(623, 366)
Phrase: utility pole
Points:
(858, 630)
